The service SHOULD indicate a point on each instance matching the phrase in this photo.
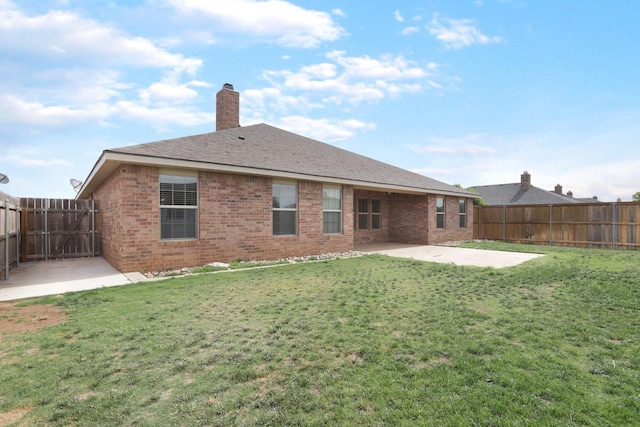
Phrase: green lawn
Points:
(362, 341)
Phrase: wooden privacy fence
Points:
(598, 225)
(59, 228)
(9, 234)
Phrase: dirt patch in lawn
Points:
(17, 320)
(12, 416)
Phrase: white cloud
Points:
(170, 92)
(458, 33)
(338, 81)
(353, 79)
(29, 162)
(398, 16)
(276, 21)
(75, 85)
(410, 30)
(471, 144)
(66, 37)
(324, 129)
(161, 117)
(18, 111)
(339, 12)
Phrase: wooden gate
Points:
(59, 228)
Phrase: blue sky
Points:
(464, 91)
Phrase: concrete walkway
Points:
(452, 255)
(36, 279)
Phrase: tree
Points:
(636, 197)
(479, 201)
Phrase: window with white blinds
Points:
(178, 207)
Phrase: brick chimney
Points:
(227, 108)
(558, 189)
(525, 181)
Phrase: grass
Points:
(361, 341)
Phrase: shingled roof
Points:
(513, 194)
(523, 193)
(268, 151)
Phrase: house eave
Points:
(110, 161)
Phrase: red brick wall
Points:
(235, 222)
(452, 231)
(410, 219)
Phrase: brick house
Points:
(259, 192)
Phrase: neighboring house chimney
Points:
(227, 108)
(558, 189)
(570, 193)
(525, 181)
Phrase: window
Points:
(285, 209)
(369, 212)
(376, 214)
(440, 212)
(363, 214)
(463, 213)
(331, 210)
(178, 207)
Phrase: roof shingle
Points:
(264, 147)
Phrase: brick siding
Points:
(452, 231)
(235, 222)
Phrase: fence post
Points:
(614, 221)
(46, 229)
(93, 228)
(18, 233)
(504, 223)
(550, 225)
(6, 240)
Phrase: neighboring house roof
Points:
(523, 193)
(514, 194)
(268, 151)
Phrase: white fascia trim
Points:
(112, 157)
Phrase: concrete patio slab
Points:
(450, 255)
(35, 279)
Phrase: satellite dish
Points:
(4, 179)
(76, 184)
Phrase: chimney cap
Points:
(227, 86)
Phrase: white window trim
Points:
(443, 213)
(173, 172)
(295, 184)
(463, 214)
(332, 187)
